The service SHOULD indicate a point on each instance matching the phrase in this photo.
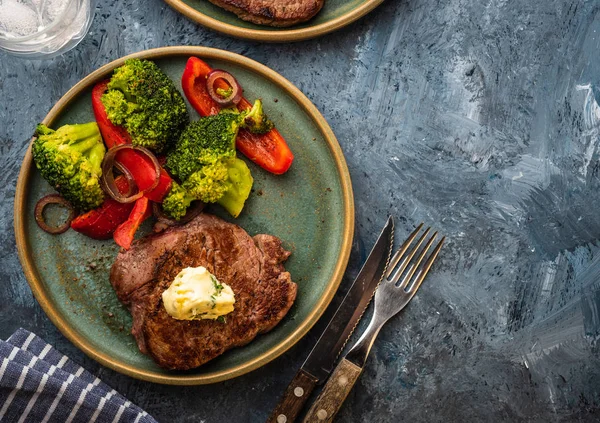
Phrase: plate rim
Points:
(281, 36)
(36, 285)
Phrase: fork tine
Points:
(413, 267)
(398, 255)
(423, 272)
(408, 258)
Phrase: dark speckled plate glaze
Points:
(334, 15)
(310, 208)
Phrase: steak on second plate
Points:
(252, 266)
(280, 13)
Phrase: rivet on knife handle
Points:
(334, 393)
(294, 398)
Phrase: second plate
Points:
(335, 15)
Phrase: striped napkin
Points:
(39, 384)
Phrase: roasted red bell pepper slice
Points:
(100, 223)
(139, 165)
(270, 151)
(125, 233)
(193, 82)
(111, 134)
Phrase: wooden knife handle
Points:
(294, 398)
(334, 393)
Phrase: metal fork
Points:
(392, 297)
(402, 280)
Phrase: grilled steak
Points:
(264, 291)
(279, 13)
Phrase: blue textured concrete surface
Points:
(481, 118)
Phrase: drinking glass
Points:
(43, 28)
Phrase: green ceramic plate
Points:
(334, 15)
(310, 208)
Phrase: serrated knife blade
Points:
(319, 363)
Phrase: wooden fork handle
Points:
(334, 393)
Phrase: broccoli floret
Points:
(209, 183)
(256, 121)
(202, 143)
(70, 159)
(177, 201)
(224, 92)
(144, 100)
(205, 162)
(226, 181)
(238, 184)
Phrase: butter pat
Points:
(197, 294)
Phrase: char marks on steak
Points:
(264, 291)
(280, 13)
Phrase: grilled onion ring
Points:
(39, 213)
(236, 91)
(108, 177)
(164, 221)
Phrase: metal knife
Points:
(320, 361)
(394, 293)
